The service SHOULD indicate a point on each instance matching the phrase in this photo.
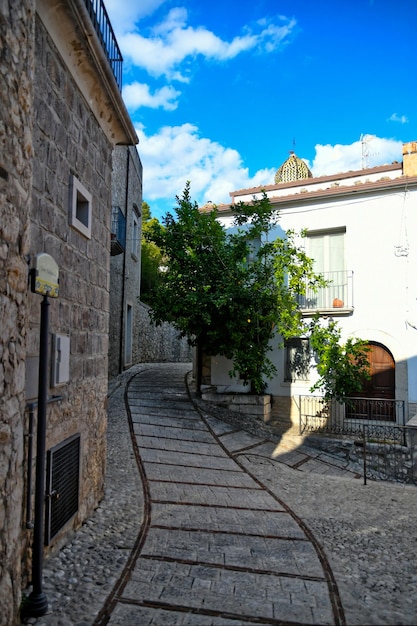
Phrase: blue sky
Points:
(220, 91)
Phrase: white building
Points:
(362, 233)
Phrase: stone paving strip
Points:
(216, 545)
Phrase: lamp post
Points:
(44, 282)
(38, 603)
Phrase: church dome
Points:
(292, 169)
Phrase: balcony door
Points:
(328, 251)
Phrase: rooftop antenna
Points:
(365, 140)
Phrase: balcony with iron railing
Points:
(335, 298)
(104, 31)
(118, 231)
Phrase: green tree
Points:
(151, 257)
(146, 213)
(342, 368)
(230, 293)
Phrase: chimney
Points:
(410, 158)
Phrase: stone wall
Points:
(162, 343)
(125, 267)
(16, 105)
(53, 131)
(68, 141)
(256, 406)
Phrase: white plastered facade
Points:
(377, 211)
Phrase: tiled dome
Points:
(292, 169)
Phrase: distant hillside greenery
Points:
(151, 257)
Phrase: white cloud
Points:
(172, 42)
(177, 154)
(403, 119)
(273, 35)
(344, 158)
(124, 14)
(138, 95)
(175, 20)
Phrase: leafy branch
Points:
(343, 368)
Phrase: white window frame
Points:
(80, 207)
(325, 237)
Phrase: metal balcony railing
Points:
(104, 30)
(118, 231)
(336, 296)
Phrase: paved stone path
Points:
(217, 547)
(205, 523)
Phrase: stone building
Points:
(61, 116)
(16, 150)
(125, 266)
(133, 338)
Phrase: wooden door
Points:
(379, 391)
(382, 370)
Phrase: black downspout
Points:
(122, 317)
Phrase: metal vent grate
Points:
(62, 485)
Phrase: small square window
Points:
(80, 209)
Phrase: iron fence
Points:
(379, 437)
(104, 30)
(348, 417)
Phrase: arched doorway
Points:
(382, 371)
(378, 392)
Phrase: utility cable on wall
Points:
(402, 248)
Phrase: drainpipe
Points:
(122, 317)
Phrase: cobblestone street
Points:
(205, 523)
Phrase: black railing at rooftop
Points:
(104, 30)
